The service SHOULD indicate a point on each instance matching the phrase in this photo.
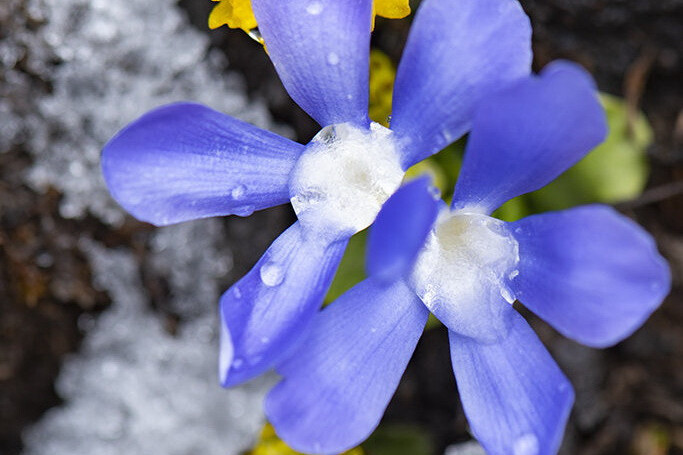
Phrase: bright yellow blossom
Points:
(234, 14)
(238, 13)
(391, 9)
(382, 75)
(270, 444)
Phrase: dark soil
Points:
(629, 397)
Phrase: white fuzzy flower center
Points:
(463, 270)
(343, 177)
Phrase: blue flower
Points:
(590, 272)
(185, 161)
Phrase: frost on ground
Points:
(116, 60)
(74, 72)
(465, 448)
(136, 389)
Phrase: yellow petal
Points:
(382, 75)
(238, 13)
(234, 14)
(392, 9)
(270, 444)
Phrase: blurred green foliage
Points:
(615, 171)
(398, 440)
(351, 269)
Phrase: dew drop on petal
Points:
(507, 295)
(237, 363)
(225, 358)
(271, 274)
(244, 210)
(237, 292)
(428, 296)
(255, 34)
(434, 191)
(526, 444)
(238, 191)
(447, 136)
(314, 8)
(332, 58)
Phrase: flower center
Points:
(343, 177)
(462, 273)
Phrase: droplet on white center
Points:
(314, 8)
(462, 272)
(271, 274)
(343, 177)
(526, 444)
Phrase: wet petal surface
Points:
(186, 161)
(592, 273)
(337, 385)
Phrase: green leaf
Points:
(351, 269)
(615, 171)
(398, 440)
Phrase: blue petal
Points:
(337, 385)
(185, 161)
(456, 53)
(516, 399)
(525, 136)
(400, 230)
(266, 312)
(321, 50)
(592, 273)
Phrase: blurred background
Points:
(108, 332)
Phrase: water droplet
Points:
(238, 191)
(373, 330)
(434, 191)
(255, 34)
(447, 136)
(507, 295)
(237, 363)
(314, 8)
(265, 340)
(244, 210)
(526, 444)
(271, 274)
(332, 58)
(429, 296)
(513, 274)
(237, 292)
